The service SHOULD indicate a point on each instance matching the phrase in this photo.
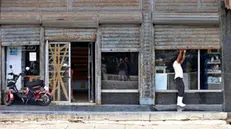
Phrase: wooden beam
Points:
(59, 71)
(60, 67)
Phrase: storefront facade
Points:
(97, 42)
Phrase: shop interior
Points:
(205, 62)
(81, 70)
(21, 57)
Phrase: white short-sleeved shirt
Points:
(178, 70)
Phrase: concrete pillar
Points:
(225, 23)
(98, 67)
(42, 54)
(147, 93)
(1, 91)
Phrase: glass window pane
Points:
(119, 70)
(164, 76)
(210, 69)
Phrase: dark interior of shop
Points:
(34, 65)
(33, 73)
(111, 59)
(79, 65)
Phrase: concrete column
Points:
(1, 86)
(98, 67)
(42, 54)
(147, 93)
(225, 23)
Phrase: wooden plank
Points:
(58, 60)
(60, 79)
(54, 67)
(59, 90)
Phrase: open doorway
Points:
(82, 65)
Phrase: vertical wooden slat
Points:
(59, 71)
(60, 67)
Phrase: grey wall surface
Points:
(190, 98)
(120, 98)
(227, 72)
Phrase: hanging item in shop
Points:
(13, 51)
(32, 56)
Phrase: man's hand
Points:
(184, 51)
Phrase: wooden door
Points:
(59, 70)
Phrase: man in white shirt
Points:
(179, 77)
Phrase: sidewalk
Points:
(108, 117)
(137, 125)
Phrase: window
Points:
(113, 62)
(201, 68)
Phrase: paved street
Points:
(105, 125)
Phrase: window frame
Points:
(198, 79)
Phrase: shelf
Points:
(214, 83)
(214, 72)
(213, 62)
(214, 53)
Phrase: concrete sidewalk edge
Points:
(112, 116)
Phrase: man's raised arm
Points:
(179, 56)
(182, 60)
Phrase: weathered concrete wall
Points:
(82, 13)
(190, 98)
(69, 4)
(225, 24)
(186, 5)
